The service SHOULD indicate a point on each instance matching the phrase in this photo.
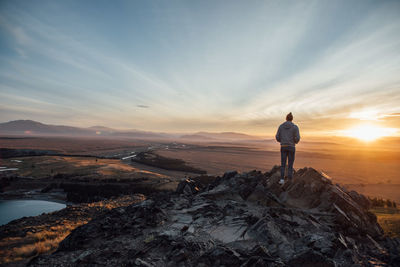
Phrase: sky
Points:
(187, 66)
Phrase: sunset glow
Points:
(369, 132)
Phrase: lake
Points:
(15, 209)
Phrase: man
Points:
(288, 135)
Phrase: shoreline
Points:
(57, 197)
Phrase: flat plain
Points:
(370, 169)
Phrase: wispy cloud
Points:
(142, 106)
(218, 67)
(393, 115)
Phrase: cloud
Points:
(18, 33)
(393, 115)
(371, 114)
(143, 106)
(239, 66)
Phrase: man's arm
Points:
(297, 135)
(278, 135)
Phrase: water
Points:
(15, 209)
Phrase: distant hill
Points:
(143, 134)
(34, 128)
(29, 127)
(197, 137)
(103, 129)
(229, 136)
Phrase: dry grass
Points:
(113, 203)
(40, 247)
(389, 220)
(33, 244)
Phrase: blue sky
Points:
(183, 66)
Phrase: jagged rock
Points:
(263, 196)
(230, 174)
(311, 259)
(312, 190)
(240, 219)
(188, 187)
(360, 199)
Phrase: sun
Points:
(369, 133)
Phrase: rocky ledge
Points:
(245, 219)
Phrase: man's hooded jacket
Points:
(288, 134)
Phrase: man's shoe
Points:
(281, 181)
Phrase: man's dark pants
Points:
(287, 153)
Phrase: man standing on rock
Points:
(288, 135)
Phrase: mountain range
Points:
(34, 128)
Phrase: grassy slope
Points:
(389, 219)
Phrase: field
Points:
(48, 166)
(83, 145)
(389, 219)
(372, 169)
(367, 174)
(352, 167)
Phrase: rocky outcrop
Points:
(240, 219)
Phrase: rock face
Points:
(243, 219)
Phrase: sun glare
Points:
(369, 132)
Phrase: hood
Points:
(287, 124)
